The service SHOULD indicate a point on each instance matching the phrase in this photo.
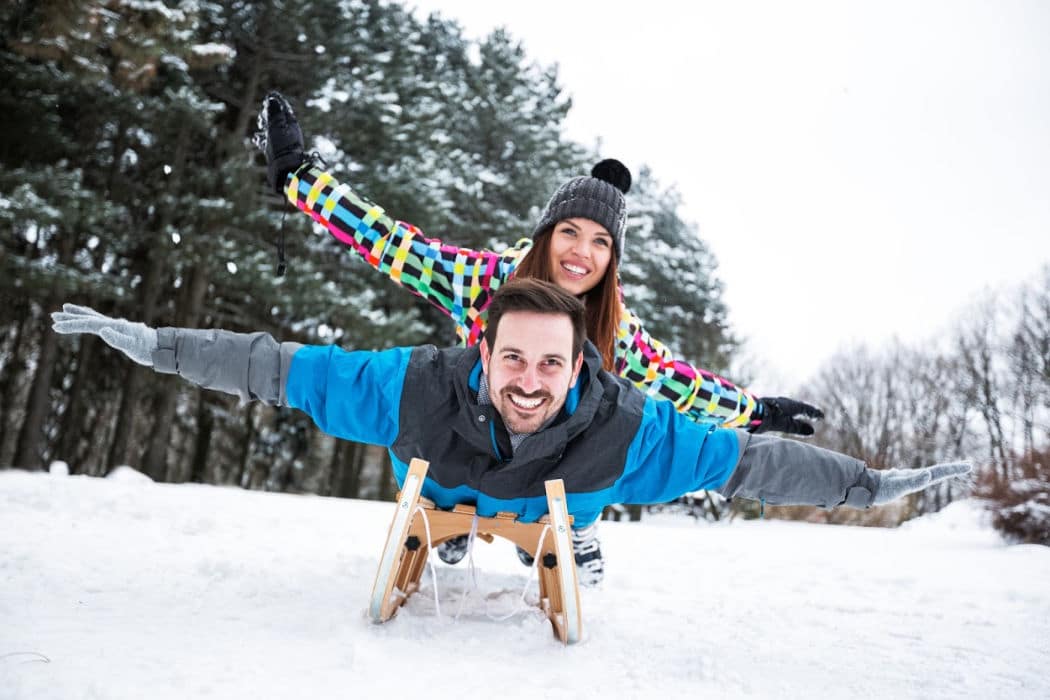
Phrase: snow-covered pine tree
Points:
(81, 76)
(130, 186)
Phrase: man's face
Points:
(531, 369)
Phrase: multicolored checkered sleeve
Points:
(702, 396)
(459, 281)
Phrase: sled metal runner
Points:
(405, 552)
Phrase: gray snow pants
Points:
(789, 472)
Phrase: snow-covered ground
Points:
(121, 588)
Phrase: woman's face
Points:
(580, 251)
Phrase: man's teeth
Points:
(575, 270)
(525, 403)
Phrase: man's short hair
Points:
(540, 297)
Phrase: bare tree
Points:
(982, 386)
(864, 398)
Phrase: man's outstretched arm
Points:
(352, 395)
(787, 472)
(252, 366)
(670, 456)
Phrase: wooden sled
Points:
(405, 552)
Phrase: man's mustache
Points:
(518, 392)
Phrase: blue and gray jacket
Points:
(611, 443)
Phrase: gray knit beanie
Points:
(598, 198)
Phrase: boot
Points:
(590, 567)
(586, 549)
(452, 551)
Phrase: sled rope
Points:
(533, 573)
(430, 560)
(471, 569)
(470, 551)
(520, 606)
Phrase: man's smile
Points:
(524, 403)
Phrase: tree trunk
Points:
(205, 426)
(387, 483)
(347, 461)
(249, 98)
(70, 433)
(152, 285)
(9, 375)
(120, 448)
(333, 475)
(188, 315)
(357, 465)
(30, 446)
(243, 477)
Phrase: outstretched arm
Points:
(671, 455)
(459, 281)
(352, 395)
(249, 365)
(702, 396)
(456, 280)
(788, 472)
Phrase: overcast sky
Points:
(861, 170)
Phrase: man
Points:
(530, 403)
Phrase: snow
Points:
(222, 50)
(126, 474)
(167, 13)
(123, 588)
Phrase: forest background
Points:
(129, 184)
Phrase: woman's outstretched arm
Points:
(459, 281)
(701, 395)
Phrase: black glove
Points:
(779, 414)
(281, 139)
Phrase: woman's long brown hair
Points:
(602, 302)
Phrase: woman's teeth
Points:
(574, 269)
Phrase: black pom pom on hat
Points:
(614, 172)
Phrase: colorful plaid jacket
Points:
(460, 282)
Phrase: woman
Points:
(577, 244)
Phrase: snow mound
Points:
(965, 515)
(128, 475)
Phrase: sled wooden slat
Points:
(405, 553)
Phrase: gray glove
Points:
(136, 340)
(894, 483)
